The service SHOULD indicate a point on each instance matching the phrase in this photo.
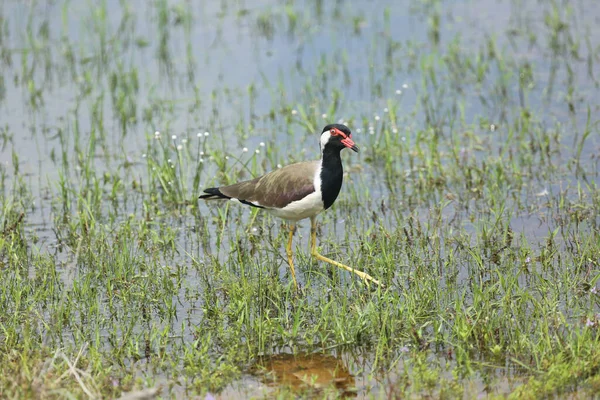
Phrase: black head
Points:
(338, 136)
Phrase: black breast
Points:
(331, 176)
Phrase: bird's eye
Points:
(332, 132)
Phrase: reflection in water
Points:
(301, 372)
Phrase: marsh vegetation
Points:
(474, 199)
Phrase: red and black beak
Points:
(348, 142)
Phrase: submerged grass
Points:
(474, 199)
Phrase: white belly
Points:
(307, 207)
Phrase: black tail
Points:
(213, 194)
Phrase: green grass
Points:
(474, 198)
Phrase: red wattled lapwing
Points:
(299, 191)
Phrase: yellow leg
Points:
(290, 254)
(313, 250)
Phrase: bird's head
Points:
(337, 136)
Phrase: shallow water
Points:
(244, 72)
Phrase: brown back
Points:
(277, 188)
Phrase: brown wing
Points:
(278, 188)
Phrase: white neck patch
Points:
(325, 136)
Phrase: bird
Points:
(299, 191)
